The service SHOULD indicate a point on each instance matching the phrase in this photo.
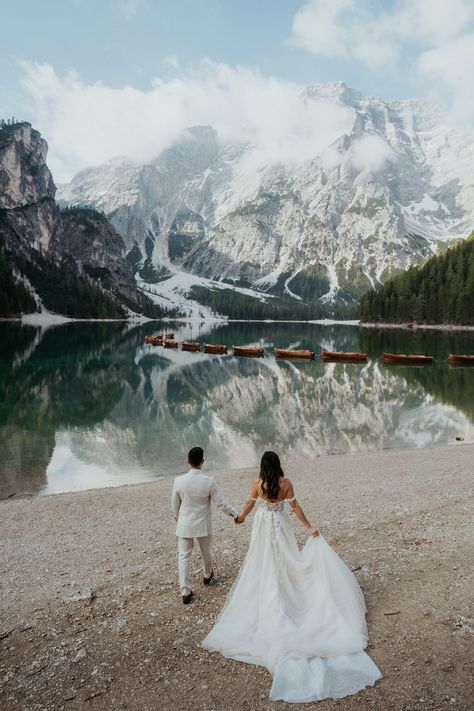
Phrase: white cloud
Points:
(355, 30)
(434, 22)
(318, 27)
(87, 124)
(371, 153)
(344, 28)
(129, 8)
(449, 66)
(430, 39)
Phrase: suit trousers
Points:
(185, 549)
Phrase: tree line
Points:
(15, 299)
(84, 210)
(236, 305)
(441, 291)
(4, 123)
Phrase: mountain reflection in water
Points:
(90, 405)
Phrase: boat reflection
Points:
(90, 405)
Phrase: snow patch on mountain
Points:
(175, 293)
(378, 196)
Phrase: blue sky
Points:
(130, 42)
(92, 65)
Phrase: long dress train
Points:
(301, 614)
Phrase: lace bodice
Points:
(272, 506)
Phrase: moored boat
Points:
(248, 352)
(169, 336)
(343, 355)
(301, 354)
(170, 343)
(215, 349)
(154, 340)
(464, 359)
(398, 358)
(191, 346)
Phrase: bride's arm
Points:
(250, 503)
(298, 511)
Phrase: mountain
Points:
(441, 291)
(72, 263)
(387, 194)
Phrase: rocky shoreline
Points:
(91, 615)
(419, 326)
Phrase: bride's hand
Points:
(313, 531)
(239, 519)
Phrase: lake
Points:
(89, 405)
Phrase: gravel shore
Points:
(91, 616)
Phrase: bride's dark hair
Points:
(270, 474)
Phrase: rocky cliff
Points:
(385, 195)
(94, 244)
(75, 263)
(30, 217)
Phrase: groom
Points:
(191, 502)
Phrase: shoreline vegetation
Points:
(102, 615)
(418, 326)
(440, 291)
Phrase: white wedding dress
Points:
(301, 614)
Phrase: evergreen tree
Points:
(441, 291)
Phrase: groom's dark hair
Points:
(195, 456)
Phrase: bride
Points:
(301, 614)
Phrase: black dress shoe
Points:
(208, 580)
(187, 598)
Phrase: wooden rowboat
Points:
(215, 349)
(464, 359)
(170, 343)
(343, 355)
(304, 355)
(191, 346)
(397, 358)
(154, 340)
(248, 352)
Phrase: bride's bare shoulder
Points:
(255, 487)
(286, 483)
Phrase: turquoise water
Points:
(90, 405)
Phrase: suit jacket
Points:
(191, 503)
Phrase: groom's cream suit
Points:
(191, 502)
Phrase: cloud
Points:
(87, 124)
(346, 29)
(430, 39)
(371, 153)
(355, 30)
(432, 23)
(318, 27)
(129, 8)
(448, 66)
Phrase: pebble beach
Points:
(91, 614)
